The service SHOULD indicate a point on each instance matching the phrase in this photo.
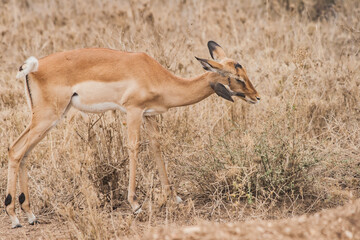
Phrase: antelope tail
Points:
(30, 65)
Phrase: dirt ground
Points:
(40, 231)
(340, 223)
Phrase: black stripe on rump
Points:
(28, 88)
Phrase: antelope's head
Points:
(237, 81)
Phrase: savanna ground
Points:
(296, 152)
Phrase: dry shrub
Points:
(297, 151)
(314, 10)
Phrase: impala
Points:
(96, 80)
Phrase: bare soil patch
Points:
(340, 223)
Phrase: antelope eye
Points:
(242, 83)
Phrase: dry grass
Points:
(295, 152)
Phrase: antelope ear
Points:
(209, 65)
(216, 51)
(221, 91)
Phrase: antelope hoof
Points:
(34, 222)
(15, 222)
(32, 219)
(178, 200)
(138, 210)
(16, 226)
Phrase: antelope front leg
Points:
(134, 120)
(154, 136)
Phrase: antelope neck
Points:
(189, 91)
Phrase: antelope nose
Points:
(258, 98)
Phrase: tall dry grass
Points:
(295, 152)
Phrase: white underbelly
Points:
(96, 107)
(106, 106)
(151, 112)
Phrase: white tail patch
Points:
(30, 65)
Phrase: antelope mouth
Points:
(243, 96)
(251, 101)
(239, 94)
